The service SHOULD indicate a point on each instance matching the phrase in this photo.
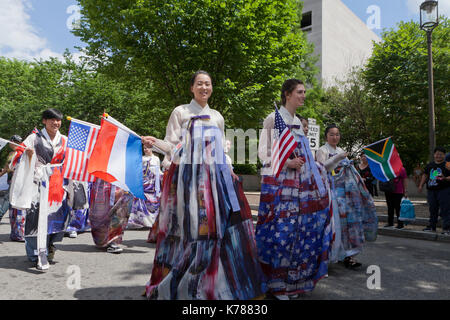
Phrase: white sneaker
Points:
(73, 234)
(282, 297)
(114, 248)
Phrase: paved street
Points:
(409, 269)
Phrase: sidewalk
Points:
(413, 230)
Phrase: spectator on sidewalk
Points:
(394, 199)
(437, 178)
(417, 174)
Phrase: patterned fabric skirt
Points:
(354, 215)
(293, 233)
(17, 221)
(108, 219)
(204, 249)
(144, 212)
(79, 221)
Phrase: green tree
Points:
(249, 48)
(397, 82)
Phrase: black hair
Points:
(288, 86)
(194, 76)
(329, 127)
(52, 114)
(301, 118)
(439, 148)
(16, 138)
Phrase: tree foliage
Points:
(397, 81)
(249, 48)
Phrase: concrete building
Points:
(341, 39)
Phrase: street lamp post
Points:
(429, 19)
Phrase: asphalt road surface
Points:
(401, 269)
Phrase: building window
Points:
(306, 21)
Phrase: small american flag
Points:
(283, 144)
(81, 141)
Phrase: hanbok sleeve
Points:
(332, 163)
(173, 134)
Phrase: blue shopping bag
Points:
(407, 212)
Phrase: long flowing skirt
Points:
(108, 218)
(17, 221)
(204, 249)
(79, 221)
(144, 212)
(293, 232)
(354, 213)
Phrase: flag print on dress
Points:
(283, 144)
(81, 141)
(384, 160)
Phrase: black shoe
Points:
(349, 263)
(400, 226)
(389, 226)
(429, 229)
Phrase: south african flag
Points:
(383, 158)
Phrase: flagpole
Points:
(83, 122)
(13, 143)
(376, 142)
(120, 125)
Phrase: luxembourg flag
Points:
(117, 157)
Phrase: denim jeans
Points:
(439, 200)
(31, 244)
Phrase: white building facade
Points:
(342, 41)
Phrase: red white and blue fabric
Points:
(283, 144)
(117, 157)
(81, 141)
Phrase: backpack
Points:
(387, 186)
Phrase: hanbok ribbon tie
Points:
(293, 126)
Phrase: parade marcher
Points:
(144, 212)
(6, 174)
(205, 244)
(37, 188)
(293, 232)
(354, 216)
(109, 211)
(79, 204)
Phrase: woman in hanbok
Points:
(293, 232)
(354, 217)
(109, 211)
(205, 244)
(144, 212)
(37, 189)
